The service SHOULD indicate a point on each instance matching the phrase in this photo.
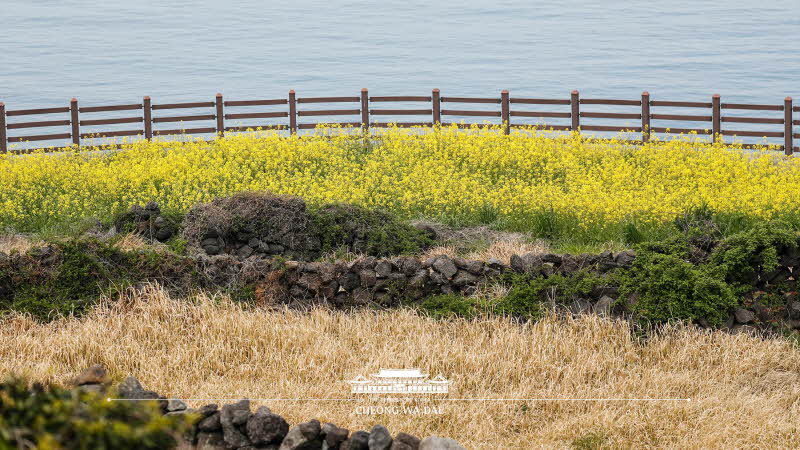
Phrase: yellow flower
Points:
(443, 174)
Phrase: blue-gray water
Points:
(116, 51)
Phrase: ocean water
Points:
(115, 51)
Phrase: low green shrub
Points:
(531, 296)
(67, 276)
(367, 231)
(743, 256)
(64, 286)
(668, 288)
(448, 306)
(50, 417)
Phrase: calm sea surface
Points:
(116, 51)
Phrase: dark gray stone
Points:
(130, 388)
(418, 280)
(176, 405)
(445, 266)
(244, 252)
(625, 258)
(794, 310)
(231, 416)
(361, 296)
(210, 423)
(264, 428)
(405, 441)
(334, 436)
(383, 269)
(463, 279)
(551, 258)
(358, 441)
(304, 436)
(527, 263)
(349, 281)
(379, 438)
(568, 264)
(744, 316)
(730, 322)
(239, 417)
(495, 264)
(207, 410)
(210, 441)
(368, 277)
(409, 266)
(474, 267)
(310, 281)
(437, 278)
(163, 234)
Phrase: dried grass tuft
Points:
(17, 242)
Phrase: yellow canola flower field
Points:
(447, 174)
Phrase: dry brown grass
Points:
(16, 242)
(745, 392)
(131, 241)
(501, 249)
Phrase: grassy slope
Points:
(744, 390)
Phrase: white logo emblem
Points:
(399, 381)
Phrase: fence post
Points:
(576, 110)
(148, 118)
(788, 148)
(716, 119)
(292, 112)
(436, 105)
(76, 130)
(645, 116)
(220, 116)
(505, 114)
(3, 137)
(364, 109)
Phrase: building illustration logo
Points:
(399, 381)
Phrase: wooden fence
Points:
(369, 112)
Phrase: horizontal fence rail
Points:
(148, 119)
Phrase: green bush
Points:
(49, 417)
(64, 286)
(668, 288)
(742, 256)
(361, 230)
(531, 296)
(449, 306)
(68, 276)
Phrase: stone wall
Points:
(390, 281)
